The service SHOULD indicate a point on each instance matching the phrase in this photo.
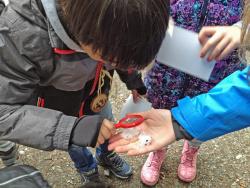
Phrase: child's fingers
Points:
(117, 143)
(227, 51)
(126, 148)
(100, 140)
(121, 142)
(135, 95)
(115, 138)
(106, 133)
(211, 43)
(219, 48)
(109, 125)
(205, 33)
(142, 150)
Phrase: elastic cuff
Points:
(86, 131)
(238, 24)
(180, 132)
(63, 132)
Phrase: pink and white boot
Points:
(187, 166)
(150, 172)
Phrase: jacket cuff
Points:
(238, 24)
(191, 119)
(180, 132)
(63, 132)
(86, 131)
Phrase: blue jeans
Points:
(81, 156)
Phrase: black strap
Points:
(203, 14)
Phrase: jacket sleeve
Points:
(133, 81)
(222, 110)
(238, 24)
(29, 125)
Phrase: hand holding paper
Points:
(181, 50)
(219, 41)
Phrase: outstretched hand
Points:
(157, 124)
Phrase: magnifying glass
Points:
(129, 121)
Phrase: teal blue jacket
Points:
(224, 109)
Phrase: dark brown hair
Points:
(128, 32)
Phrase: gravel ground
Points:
(223, 162)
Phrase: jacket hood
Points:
(30, 10)
(44, 14)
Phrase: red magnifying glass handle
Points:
(137, 120)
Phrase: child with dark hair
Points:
(167, 85)
(61, 55)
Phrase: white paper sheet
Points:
(181, 49)
(130, 107)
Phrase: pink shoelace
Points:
(155, 162)
(189, 156)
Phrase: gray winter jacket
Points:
(27, 61)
